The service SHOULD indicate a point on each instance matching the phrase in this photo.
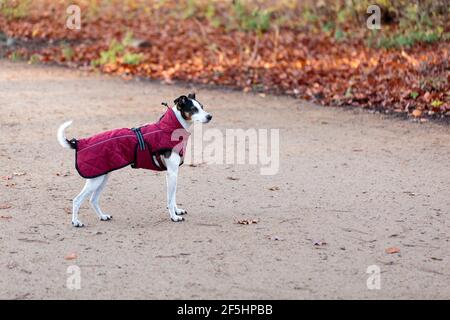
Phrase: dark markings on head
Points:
(186, 106)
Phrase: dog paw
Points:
(177, 219)
(180, 212)
(77, 224)
(105, 217)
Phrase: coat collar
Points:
(180, 118)
(172, 120)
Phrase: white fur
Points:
(201, 115)
(94, 187)
(183, 122)
(61, 136)
(172, 164)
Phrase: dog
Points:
(158, 146)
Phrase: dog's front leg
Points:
(172, 165)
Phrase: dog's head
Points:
(191, 109)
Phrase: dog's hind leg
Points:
(90, 186)
(95, 200)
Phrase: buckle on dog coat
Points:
(142, 156)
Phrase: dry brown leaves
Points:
(392, 250)
(4, 206)
(71, 256)
(247, 221)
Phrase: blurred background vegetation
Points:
(320, 50)
(404, 22)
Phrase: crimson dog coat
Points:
(139, 147)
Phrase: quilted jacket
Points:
(139, 147)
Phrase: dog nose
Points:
(209, 117)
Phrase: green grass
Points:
(414, 26)
(132, 58)
(251, 20)
(16, 56)
(339, 35)
(211, 15)
(35, 58)
(190, 10)
(67, 52)
(14, 9)
(119, 50)
(409, 23)
(407, 39)
(414, 95)
(110, 56)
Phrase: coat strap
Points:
(158, 161)
(140, 137)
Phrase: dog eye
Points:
(194, 110)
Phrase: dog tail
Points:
(62, 137)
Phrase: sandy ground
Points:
(357, 181)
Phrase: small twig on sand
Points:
(33, 240)
(362, 240)
(353, 230)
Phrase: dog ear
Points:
(191, 95)
(180, 102)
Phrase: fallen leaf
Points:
(276, 238)
(248, 221)
(6, 217)
(274, 188)
(437, 259)
(413, 61)
(7, 178)
(393, 235)
(68, 210)
(5, 206)
(392, 250)
(417, 113)
(19, 173)
(319, 243)
(71, 256)
(232, 178)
